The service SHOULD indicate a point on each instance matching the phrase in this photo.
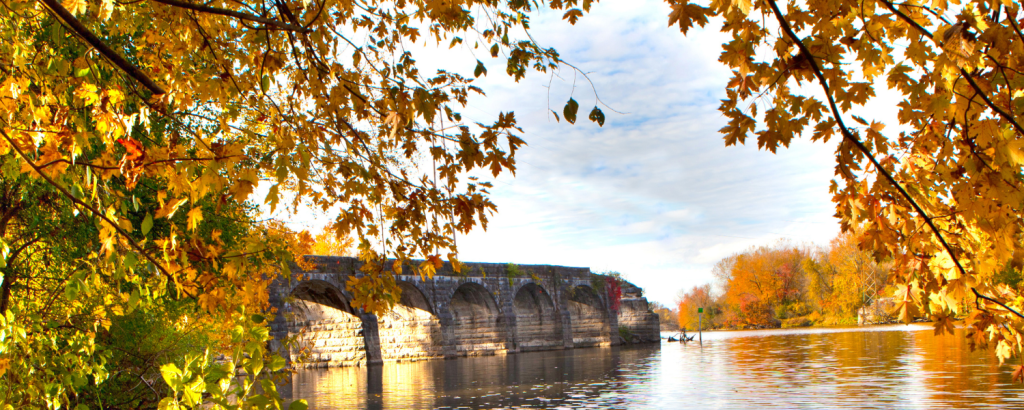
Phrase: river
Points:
(895, 366)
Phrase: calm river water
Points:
(868, 367)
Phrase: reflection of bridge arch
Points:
(538, 325)
(589, 320)
(477, 326)
(410, 331)
(327, 326)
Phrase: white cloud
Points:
(654, 194)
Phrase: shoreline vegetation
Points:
(785, 285)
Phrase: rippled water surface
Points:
(873, 367)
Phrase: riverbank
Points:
(808, 321)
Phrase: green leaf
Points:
(147, 224)
(260, 333)
(298, 405)
(597, 116)
(216, 373)
(130, 259)
(79, 381)
(193, 393)
(265, 83)
(494, 50)
(71, 290)
(172, 375)
(259, 402)
(167, 403)
(258, 318)
(269, 389)
(276, 363)
(254, 366)
(236, 334)
(82, 72)
(133, 300)
(569, 112)
(480, 69)
(285, 269)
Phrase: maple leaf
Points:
(573, 15)
(943, 324)
(960, 123)
(686, 14)
(195, 216)
(170, 208)
(76, 7)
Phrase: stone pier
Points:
(486, 309)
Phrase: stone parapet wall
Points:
(484, 309)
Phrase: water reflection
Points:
(876, 367)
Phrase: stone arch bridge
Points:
(485, 309)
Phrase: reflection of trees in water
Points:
(538, 379)
(772, 369)
(842, 369)
(956, 376)
(837, 368)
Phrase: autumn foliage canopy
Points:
(138, 138)
(938, 188)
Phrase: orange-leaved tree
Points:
(938, 189)
(698, 297)
(842, 278)
(765, 283)
(138, 132)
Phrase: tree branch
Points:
(71, 22)
(970, 79)
(860, 145)
(232, 13)
(978, 295)
(82, 204)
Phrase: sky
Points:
(654, 194)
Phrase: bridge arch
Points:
(588, 316)
(538, 325)
(477, 325)
(328, 329)
(411, 330)
(413, 297)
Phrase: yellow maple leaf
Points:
(76, 7)
(195, 216)
(170, 208)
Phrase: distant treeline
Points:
(784, 285)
